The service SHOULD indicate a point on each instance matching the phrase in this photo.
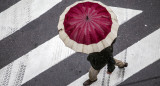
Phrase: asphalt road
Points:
(38, 31)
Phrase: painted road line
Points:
(37, 61)
(17, 72)
(125, 14)
(45, 56)
(23, 12)
(5, 75)
(117, 75)
(12, 74)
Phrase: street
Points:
(32, 54)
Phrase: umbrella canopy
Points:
(88, 26)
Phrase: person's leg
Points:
(120, 64)
(92, 76)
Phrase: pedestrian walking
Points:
(91, 27)
(98, 60)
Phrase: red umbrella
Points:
(88, 26)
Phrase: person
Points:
(99, 59)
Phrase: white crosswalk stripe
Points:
(40, 60)
(23, 12)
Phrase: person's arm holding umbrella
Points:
(111, 64)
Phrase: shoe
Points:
(125, 65)
(88, 82)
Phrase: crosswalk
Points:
(53, 51)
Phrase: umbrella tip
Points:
(87, 18)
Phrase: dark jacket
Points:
(99, 59)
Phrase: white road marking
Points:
(17, 71)
(20, 14)
(125, 14)
(45, 56)
(12, 74)
(54, 51)
(139, 56)
(117, 75)
(5, 75)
